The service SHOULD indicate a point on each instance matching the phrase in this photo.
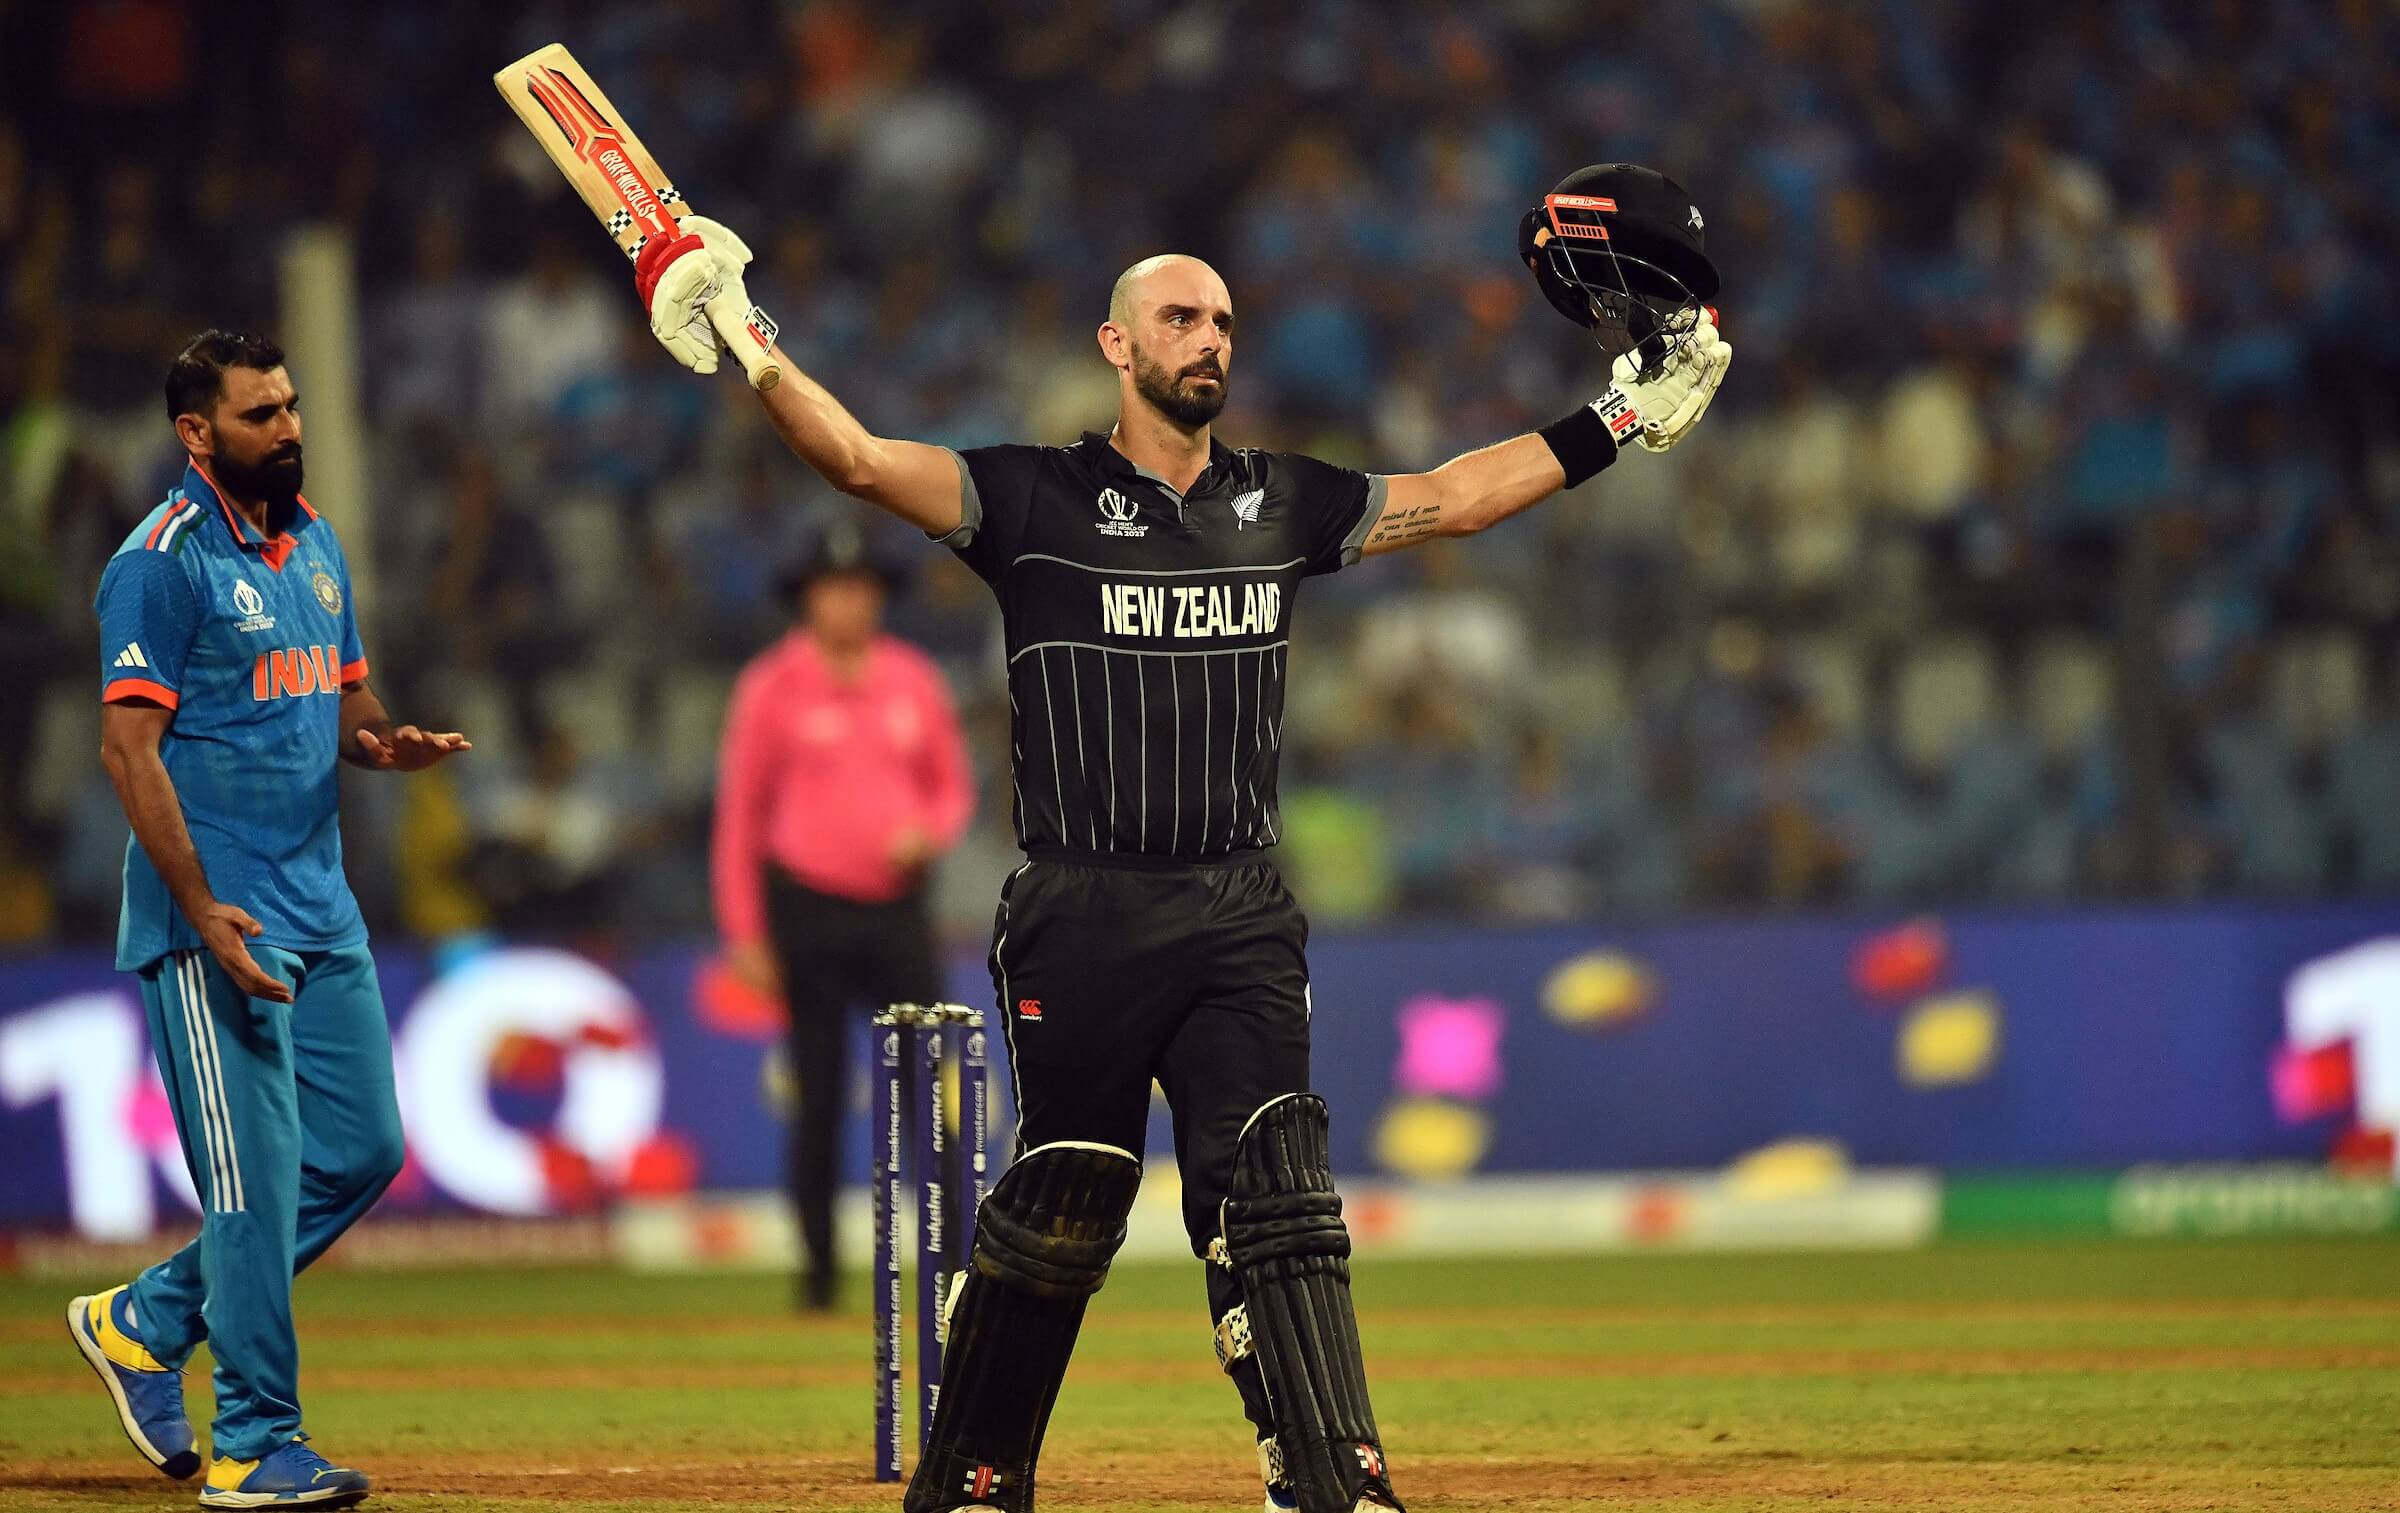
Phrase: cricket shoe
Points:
(149, 1396)
(288, 1476)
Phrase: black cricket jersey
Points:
(1147, 633)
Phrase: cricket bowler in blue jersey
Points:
(231, 678)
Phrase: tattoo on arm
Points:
(1406, 527)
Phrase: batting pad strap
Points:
(1233, 1336)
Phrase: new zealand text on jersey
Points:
(1217, 609)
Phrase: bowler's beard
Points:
(276, 480)
(1191, 407)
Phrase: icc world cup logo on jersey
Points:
(252, 607)
(329, 593)
(1117, 515)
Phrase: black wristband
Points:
(1586, 442)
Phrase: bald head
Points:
(1170, 277)
(1169, 335)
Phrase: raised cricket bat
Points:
(617, 177)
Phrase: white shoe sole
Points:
(278, 1500)
(97, 1359)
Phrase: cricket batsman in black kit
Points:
(1147, 580)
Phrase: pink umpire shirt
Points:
(821, 777)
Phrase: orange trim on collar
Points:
(233, 519)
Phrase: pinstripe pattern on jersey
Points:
(1148, 629)
(1102, 719)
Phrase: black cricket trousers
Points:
(1114, 974)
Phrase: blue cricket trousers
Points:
(291, 1130)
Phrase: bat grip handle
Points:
(750, 335)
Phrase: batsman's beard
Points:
(1193, 406)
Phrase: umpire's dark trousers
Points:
(836, 954)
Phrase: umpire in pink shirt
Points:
(842, 778)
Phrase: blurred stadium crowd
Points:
(2044, 545)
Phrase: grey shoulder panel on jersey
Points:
(1354, 545)
(970, 507)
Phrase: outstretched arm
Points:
(688, 282)
(916, 482)
(1478, 490)
(1469, 493)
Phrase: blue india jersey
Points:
(248, 639)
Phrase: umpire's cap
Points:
(841, 549)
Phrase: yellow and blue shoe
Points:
(149, 1396)
(290, 1475)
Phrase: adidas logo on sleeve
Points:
(132, 656)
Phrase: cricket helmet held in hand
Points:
(1621, 250)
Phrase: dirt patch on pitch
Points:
(681, 1376)
(1170, 1482)
(843, 1328)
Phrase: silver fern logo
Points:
(1245, 507)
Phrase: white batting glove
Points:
(729, 251)
(1671, 401)
(678, 277)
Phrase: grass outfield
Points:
(2232, 1375)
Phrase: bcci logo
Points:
(1117, 515)
(329, 593)
(252, 607)
(1245, 507)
